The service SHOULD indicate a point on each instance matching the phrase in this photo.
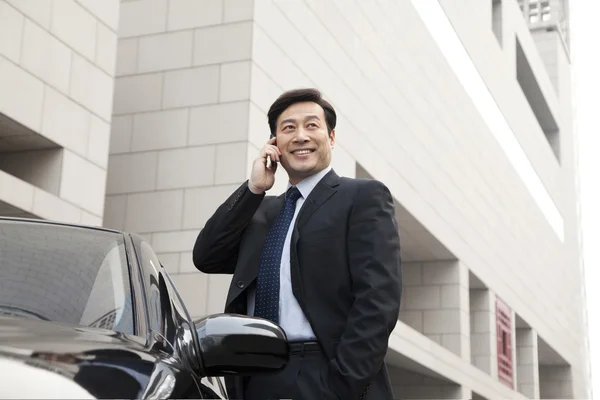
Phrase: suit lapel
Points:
(320, 194)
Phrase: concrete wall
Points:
(57, 61)
(195, 83)
(436, 303)
(189, 118)
(409, 384)
(180, 133)
(556, 382)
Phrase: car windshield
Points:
(64, 274)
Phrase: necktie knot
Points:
(293, 194)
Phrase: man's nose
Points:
(301, 136)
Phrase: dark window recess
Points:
(30, 157)
(504, 337)
(537, 101)
(497, 19)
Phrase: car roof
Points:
(57, 223)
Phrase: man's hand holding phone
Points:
(262, 176)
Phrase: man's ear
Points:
(332, 138)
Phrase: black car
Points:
(91, 313)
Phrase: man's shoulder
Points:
(364, 193)
(361, 183)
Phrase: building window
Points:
(549, 15)
(536, 10)
(534, 14)
(545, 11)
(504, 335)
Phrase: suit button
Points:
(240, 284)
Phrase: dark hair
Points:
(297, 96)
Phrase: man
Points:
(322, 260)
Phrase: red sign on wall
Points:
(504, 340)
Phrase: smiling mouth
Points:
(302, 152)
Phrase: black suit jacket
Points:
(345, 268)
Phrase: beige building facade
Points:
(57, 69)
(144, 115)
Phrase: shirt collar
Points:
(308, 184)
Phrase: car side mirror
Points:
(233, 344)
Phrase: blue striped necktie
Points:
(267, 284)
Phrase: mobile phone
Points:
(271, 163)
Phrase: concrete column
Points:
(527, 363)
(484, 350)
(436, 303)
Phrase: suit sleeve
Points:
(375, 268)
(217, 245)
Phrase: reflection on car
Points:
(91, 313)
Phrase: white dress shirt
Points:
(291, 318)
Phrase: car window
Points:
(65, 274)
(155, 269)
(155, 288)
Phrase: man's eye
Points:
(312, 125)
(288, 127)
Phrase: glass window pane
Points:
(69, 275)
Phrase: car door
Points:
(215, 386)
(171, 328)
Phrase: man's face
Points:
(303, 140)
